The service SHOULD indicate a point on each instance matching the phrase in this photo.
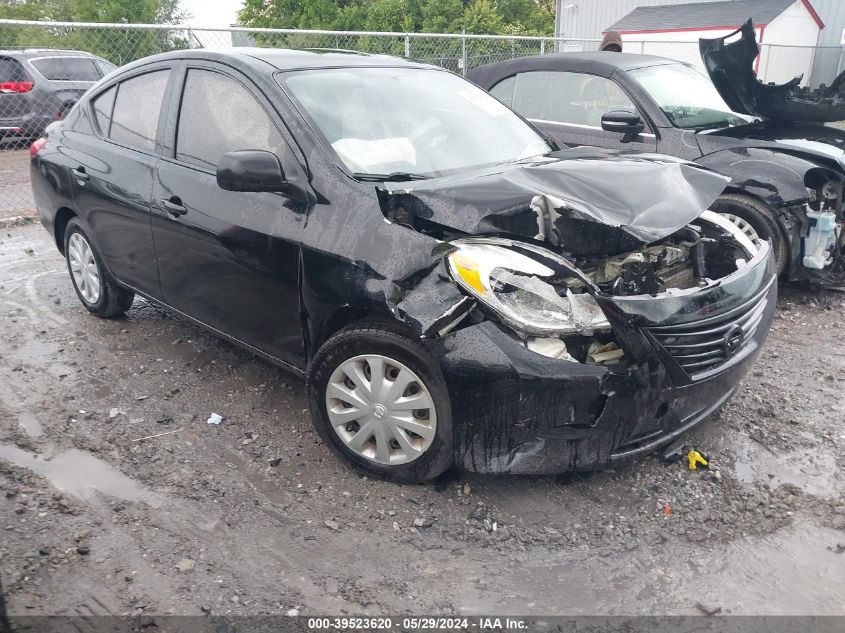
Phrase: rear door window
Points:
(81, 69)
(67, 68)
(219, 115)
(136, 110)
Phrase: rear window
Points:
(11, 70)
(67, 68)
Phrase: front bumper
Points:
(515, 411)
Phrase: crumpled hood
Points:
(731, 68)
(561, 197)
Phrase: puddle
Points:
(38, 350)
(81, 475)
(813, 469)
(789, 572)
(44, 354)
(30, 425)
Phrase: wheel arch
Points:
(737, 195)
(322, 329)
(63, 216)
(775, 178)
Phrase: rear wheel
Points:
(379, 400)
(754, 218)
(96, 289)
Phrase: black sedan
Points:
(451, 287)
(786, 177)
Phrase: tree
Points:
(119, 46)
(388, 15)
(481, 17)
(24, 10)
(533, 17)
(442, 16)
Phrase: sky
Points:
(211, 12)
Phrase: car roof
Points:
(289, 58)
(602, 63)
(43, 52)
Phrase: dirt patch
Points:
(16, 203)
(255, 516)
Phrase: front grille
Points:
(702, 346)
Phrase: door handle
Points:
(174, 206)
(79, 173)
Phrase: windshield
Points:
(687, 96)
(396, 122)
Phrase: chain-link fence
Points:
(46, 66)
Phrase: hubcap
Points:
(83, 268)
(745, 227)
(381, 409)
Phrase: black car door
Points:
(113, 173)
(568, 106)
(228, 259)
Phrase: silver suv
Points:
(38, 85)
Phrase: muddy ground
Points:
(256, 516)
(15, 192)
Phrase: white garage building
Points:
(788, 30)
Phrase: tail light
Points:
(36, 147)
(10, 87)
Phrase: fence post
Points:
(190, 38)
(407, 46)
(542, 47)
(463, 52)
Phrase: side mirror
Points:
(251, 170)
(629, 124)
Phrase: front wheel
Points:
(96, 289)
(379, 400)
(754, 218)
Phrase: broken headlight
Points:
(518, 289)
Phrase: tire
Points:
(109, 300)
(345, 428)
(761, 218)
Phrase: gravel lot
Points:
(256, 516)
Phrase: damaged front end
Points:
(730, 64)
(589, 334)
(792, 125)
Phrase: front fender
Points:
(775, 178)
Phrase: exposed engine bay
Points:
(548, 299)
(686, 259)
